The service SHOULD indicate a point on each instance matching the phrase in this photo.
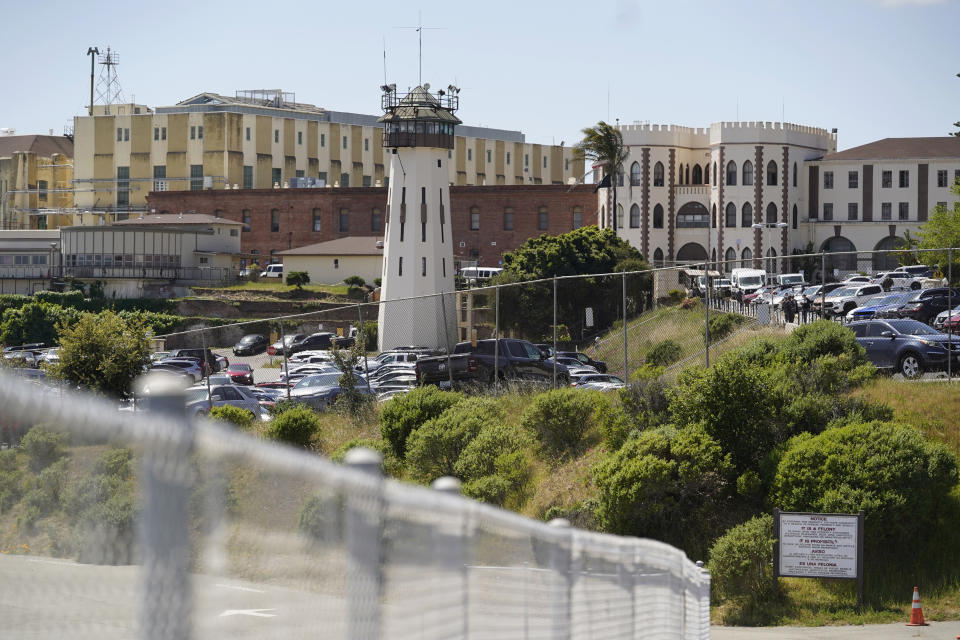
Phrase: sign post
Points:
(819, 545)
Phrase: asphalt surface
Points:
(942, 630)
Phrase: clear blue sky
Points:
(871, 68)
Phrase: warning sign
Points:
(818, 545)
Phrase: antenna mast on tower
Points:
(108, 85)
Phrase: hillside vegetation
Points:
(698, 459)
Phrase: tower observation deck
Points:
(419, 118)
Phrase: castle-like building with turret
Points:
(741, 192)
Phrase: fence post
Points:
(554, 332)
(496, 342)
(823, 284)
(454, 550)
(626, 366)
(363, 347)
(206, 366)
(562, 581)
(286, 368)
(706, 319)
(165, 587)
(951, 351)
(363, 530)
(446, 336)
(626, 568)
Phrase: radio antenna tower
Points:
(108, 85)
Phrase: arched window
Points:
(686, 176)
(658, 258)
(697, 174)
(845, 263)
(771, 174)
(715, 174)
(747, 173)
(706, 173)
(771, 262)
(658, 217)
(658, 174)
(603, 217)
(635, 174)
(746, 215)
(729, 259)
(731, 215)
(692, 252)
(619, 216)
(885, 259)
(771, 213)
(691, 215)
(794, 174)
(746, 257)
(732, 173)
(794, 216)
(634, 217)
(713, 217)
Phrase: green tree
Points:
(603, 145)
(528, 308)
(405, 414)
(351, 399)
(103, 352)
(298, 279)
(942, 231)
(35, 322)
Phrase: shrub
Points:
(664, 353)
(11, 479)
(236, 416)
(404, 414)
(735, 404)
(296, 426)
(615, 425)
(675, 296)
(900, 480)
(668, 484)
(822, 338)
(321, 518)
(434, 448)
(64, 299)
(298, 279)
(560, 418)
(741, 560)
(391, 466)
(724, 324)
(46, 489)
(494, 465)
(43, 447)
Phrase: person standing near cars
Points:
(804, 307)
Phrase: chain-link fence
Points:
(156, 526)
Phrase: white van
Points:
(745, 281)
(273, 271)
(791, 279)
(479, 275)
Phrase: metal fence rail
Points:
(219, 534)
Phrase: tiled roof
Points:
(349, 246)
(901, 149)
(43, 146)
(176, 219)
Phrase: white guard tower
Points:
(418, 129)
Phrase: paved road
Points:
(941, 630)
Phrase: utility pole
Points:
(92, 52)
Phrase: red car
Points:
(240, 373)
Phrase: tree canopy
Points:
(528, 309)
(603, 145)
(940, 231)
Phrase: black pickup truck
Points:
(515, 360)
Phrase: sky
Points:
(870, 68)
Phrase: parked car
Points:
(312, 357)
(899, 280)
(907, 347)
(185, 366)
(250, 345)
(514, 359)
(918, 270)
(856, 279)
(926, 304)
(278, 347)
(240, 373)
(321, 390)
(600, 382)
(312, 342)
(199, 401)
(272, 271)
(842, 300)
(396, 356)
(208, 359)
(584, 359)
(722, 287)
(878, 306)
(940, 322)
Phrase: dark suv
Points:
(208, 360)
(905, 346)
(927, 303)
(313, 342)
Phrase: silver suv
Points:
(842, 300)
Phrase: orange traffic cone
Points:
(916, 611)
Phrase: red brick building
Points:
(487, 221)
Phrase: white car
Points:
(272, 271)
(856, 279)
(942, 317)
(312, 357)
(600, 382)
(841, 301)
(900, 280)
